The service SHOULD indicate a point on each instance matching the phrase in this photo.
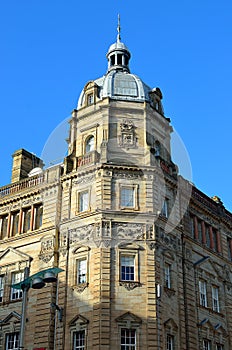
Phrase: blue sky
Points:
(50, 49)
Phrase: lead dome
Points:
(118, 83)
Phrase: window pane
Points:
(128, 339)
(207, 236)
(89, 144)
(84, 201)
(127, 268)
(90, 99)
(2, 279)
(15, 223)
(170, 342)
(167, 275)
(203, 293)
(206, 344)
(12, 341)
(26, 220)
(38, 216)
(79, 340)
(219, 347)
(215, 299)
(127, 197)
(4, 226)
(16, 278)
(199, 231)
(164, 210)
(82, 271)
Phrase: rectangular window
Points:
(192, 227)
(167, 275)
(170, 342)
(215, 240)
(14, 223)
(207, 234)
(16, 278)
(12, 341)
(127, 268)
(128, 339)
(215, 298)
(83, 201)
(2, 279)
(164, 211)
(219, 347)
(206, 344)
(38, 216)
(82, 271)
(26, 220)
(203, 293)
(90, 99)
(127, 199)
(229, 246)
(79, 340)
(199, 227)
(4, 226)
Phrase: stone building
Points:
(145, 256)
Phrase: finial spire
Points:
(118, 29)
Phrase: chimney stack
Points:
(23, 163)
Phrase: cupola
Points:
(118, 54)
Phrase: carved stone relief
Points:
(127, 138)
(130, 285)
(47, 248)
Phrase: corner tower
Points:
(114, 193)
(119, 119)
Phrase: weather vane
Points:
(119, 29)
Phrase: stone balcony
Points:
(22, 185)
(88, 159)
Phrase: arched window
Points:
(89, 145)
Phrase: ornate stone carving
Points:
(130, 285)
(80, 287)
(81, 234)
(127, 138)
(47, 249)
(149, 231)
(127, 232)
(84, 180)
(130, 176)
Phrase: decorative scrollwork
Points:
(80, 287)
(130, 285)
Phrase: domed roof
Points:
(117, 46)
(119, 83)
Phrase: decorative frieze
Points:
(127, 232)
(84, 180)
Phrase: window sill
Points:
(130, 285)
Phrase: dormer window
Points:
(89, 145)
(90, 99)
